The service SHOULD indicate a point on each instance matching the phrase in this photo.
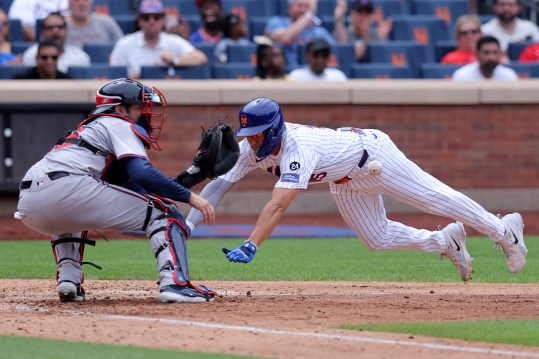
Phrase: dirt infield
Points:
(270, 319)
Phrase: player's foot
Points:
(70, 292)
(513, 243)
(455, 237)
(185, 294)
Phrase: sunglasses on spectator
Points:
(468, 32)
(47, 57)
(323, 54)
(147, 17)
(50, 27)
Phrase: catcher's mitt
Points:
(217, 153)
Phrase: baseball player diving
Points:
(360, 165)
(99, 176)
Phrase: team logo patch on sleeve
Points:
(290, 177)
(294, 166)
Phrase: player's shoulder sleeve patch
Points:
(290, 177)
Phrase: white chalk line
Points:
(289, 333)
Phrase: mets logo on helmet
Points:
(243, 120)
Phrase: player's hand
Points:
(242, 254)
(203, 206)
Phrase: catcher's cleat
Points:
(70, 292)
(185, 294)
(513, 244)
(455, 237)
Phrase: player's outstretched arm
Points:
(267, 221)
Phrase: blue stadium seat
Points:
(247, 8)
(515, 49)
(447, 10)
(380, 71)
(342, 57)
(442, 48)
(99, 52)
(6, 72)
(385, 8)
(234, 70)
(437, 71)
(242, 53)
(426, 29)
(5, 5)
(186, 7)
(18, 47)
(98, 71)
(194, 22)
(116, 7)
(525, 71)
(208, 50)
(324, 8)
(400, 53)
(257, 25)
(328, 22)
(128, 23)
(180, 73)
(15, 30)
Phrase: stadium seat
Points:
(400, 53)
(328, 22)
(515, 49)
(242, 53)
(234, 70)
(179, 73)
(447, 10)
(194, 22)
(426, 29)
(437, 71)
(324, 7)
(128, 23)
(208, 50)
(116, 7)
(15, 30)
(247, 8)
(442, 48)
(185, 7)
(6, 72)
(525, 71)
(5, 5)
(385, 8)
(99, 52)
(257, 25)
(380, 71)
(18, 47)
(98, 71)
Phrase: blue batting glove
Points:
(242, 254)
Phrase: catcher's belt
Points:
(53, 176)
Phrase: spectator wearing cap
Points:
(211, 15)
(234, 32)
(48, 53)
(29, 11)
(85, 26)
(317, 53)
(300, 26)
(151, 46)
(363, 26)
(467, 33)
(488, 66)
(54, 28)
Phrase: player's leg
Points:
(68, 250)
(366, 215)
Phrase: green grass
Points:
(291, 260)
(518, 332)
(31, 348)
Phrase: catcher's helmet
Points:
(130, 92)
(262, 114)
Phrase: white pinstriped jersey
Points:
(308, 154)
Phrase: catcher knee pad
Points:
(68, 250)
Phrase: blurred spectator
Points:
(270, 63)
(54, 28)
(297, 28)
(234, 33)
(85, 26)
(6, 55)
(488, 66)
(48, 53)
(29, 11)
(151, 46)
(317, 53)
(177, 25)
(467, 32)
(363, 26)
(530, 53)
(507, 27)
(211, 15)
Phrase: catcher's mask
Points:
(262, 114)
(131, 92)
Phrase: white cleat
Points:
(70, 292)
(455, 237)
(513, 245)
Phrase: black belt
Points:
(53, 176)
(363, 159)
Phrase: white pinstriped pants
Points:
(361, 204)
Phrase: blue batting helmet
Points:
(262, 115)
